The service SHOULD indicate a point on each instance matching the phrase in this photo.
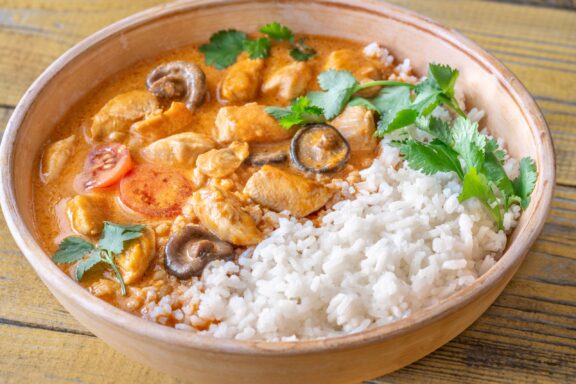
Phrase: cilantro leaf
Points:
(87, 264)
(257, 49)
(223, 48)
(362, 102)
(436, 127)
(302, 52)
(391, 99)
(427, 97)
(444, 76)
(438, 88)
(72, 249)
(493, 147)
(301, 111)
(277, 31)
(338, 87)
(476, 185)
(495, 172)
(524, 184)
(114, 236)
(394, 106)
(332, 79)
(468, 142)
(278, 112)
(390, 122)
(430, 158)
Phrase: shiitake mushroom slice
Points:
(189, 250)
(178, 81)
(319, 148)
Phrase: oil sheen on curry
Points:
(189, 152)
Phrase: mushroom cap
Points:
(189, 250)
(179, 81)
(319, 148)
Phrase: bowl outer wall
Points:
(114, 325)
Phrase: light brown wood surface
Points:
(527, 336)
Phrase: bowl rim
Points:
(54, 277)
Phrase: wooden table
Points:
(527, 336)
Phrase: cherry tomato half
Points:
(154, 190)
(105, 166)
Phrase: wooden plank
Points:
(5, 113)
(40, 356)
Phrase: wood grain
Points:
(528, 335)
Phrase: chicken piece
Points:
(114, 119)
(248, 123)
(220, 163)
(104, 288)
(356, 124)
(136, 257)
(160, 125)
(180, 150)
(288, 82)
(55, 158)
(363, 69)
(280, 190)
(242, 81)
(221, 213)
(87, 213)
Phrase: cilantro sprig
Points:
(300, 112)
(338, 87)
(477, 160)
(301, 51)
(225, 46)
(398, 104)
(277, 31)
(74, 248)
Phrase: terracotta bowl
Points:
(512, 115)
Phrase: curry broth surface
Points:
(50, 199)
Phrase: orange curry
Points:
(189, 151)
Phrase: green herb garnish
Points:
(111, 243)
(399, 107)
(257, 49)
(301, 51)
(476, 160)
(225, 46)
(300, 112)
(524, 184)
(338, 88)
(277, 31)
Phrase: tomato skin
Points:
(106, 165)
(154, 191)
